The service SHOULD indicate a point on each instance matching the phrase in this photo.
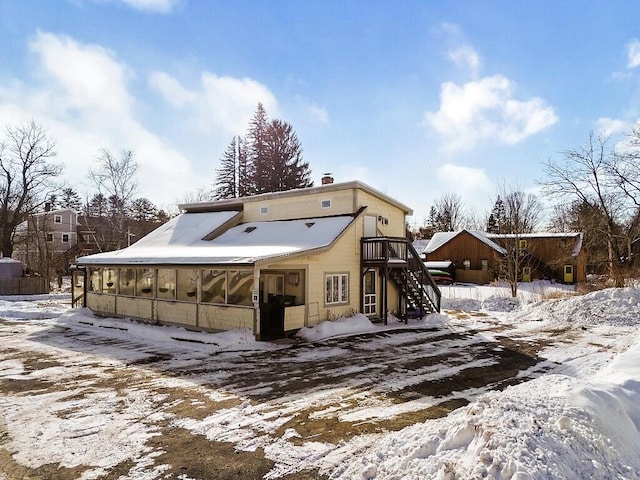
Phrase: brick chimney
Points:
(327, 179)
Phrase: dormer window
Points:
(325, 204)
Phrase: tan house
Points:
(42, 241)
(272, 263)
(478, 255)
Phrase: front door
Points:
(370, 301)
(272, 306)
(568, 274)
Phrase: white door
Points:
(370, 301)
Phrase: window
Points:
(65, 237)
(144, 282)
(466, 263)
(187, 284)
(484, 263)
(95, 280)
(264, 210)
(166, 284)
(325, 204)
(109, 278)
(49, 237)
(214, 286)
(337, 288)
(127, 281)
(57, 218)
(240, 287)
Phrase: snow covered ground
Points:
(88, 410)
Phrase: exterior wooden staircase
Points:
(397, 260)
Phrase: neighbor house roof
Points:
(188, 239)
(441, 238)
(577, 236)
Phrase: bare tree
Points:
(115, 179)
(587, 175)
(522, 212)
(447, 213)
(26, 177)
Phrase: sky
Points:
(574, 415)
(416, 99)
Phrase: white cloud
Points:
(462, 179)
(225, 103)
(466, 57)
(152, 6)
(485, 111)
(611, 126)
(81, 96)
(633, 52)
(88, 76)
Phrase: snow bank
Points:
(613, 307)
(358, 323)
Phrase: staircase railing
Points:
(398, 253)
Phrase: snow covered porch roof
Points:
(205, 238)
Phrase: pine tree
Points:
(227, 175)
(70, 200)
(497, 221)
(257, 170)
(284, 158)
(143, 210)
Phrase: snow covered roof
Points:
(420, 245)
(237, 203)
(441, 238)
(184, 240)
(578, 236)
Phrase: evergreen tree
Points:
(497, 221)
(284, 159)
(232, 177)
(70, 200)
(143, 210)
(97, 206)
(227, 175)
(257, 169)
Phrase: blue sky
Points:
(415, 98)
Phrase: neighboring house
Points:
(478, 255)
(548, 255)
(272, 263)
(43, 241)
(475, 256)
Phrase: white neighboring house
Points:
(44, 241)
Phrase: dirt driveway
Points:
(198, 413)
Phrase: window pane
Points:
(166, 284)
(95, 280)
(344, 292)
(109, 278)
(187, 285)
(127, 281)
(144, 282)
(214, 286)
(240, 287)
